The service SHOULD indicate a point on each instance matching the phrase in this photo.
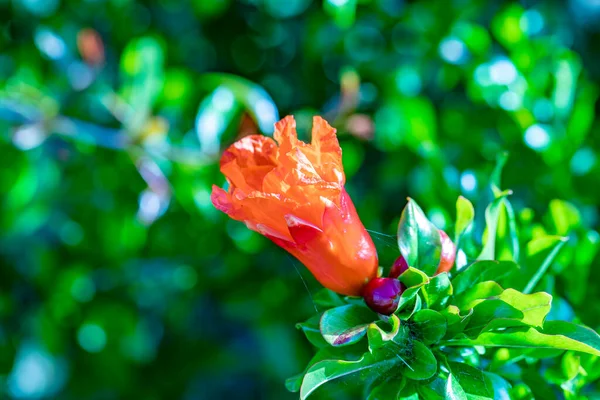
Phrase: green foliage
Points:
(117, 270)
(429, 351)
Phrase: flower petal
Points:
(301, 230)
(246, 162)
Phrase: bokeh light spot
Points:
(583, 161)
(468, 181)
(537, 137)
(453, 50)
(503, 72)
(91, 337)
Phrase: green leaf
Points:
(453, 389)
(410, 308)
(587, 249)
(556, 335)
(312, 331)
(565, 217)
(378, 337)
(492, 213)
(413, 279)
(438, 290)
(326, 298)
(455, 322)
(464, 217)
(542, 252)
(496, 175)
(389, 389)
(330, 353)
(329, 370)
(570, 364)
(472, 380)
(507, 235)
(419, 239)
(476, 294)
(492, 314)
(345, 325)
(535, 306)
(482, 271)
(429, 325)
(421, 364)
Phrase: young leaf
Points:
(482, 271)
(453, 389)
(328, 370)
(496, 175)
(455, 322)
(312, 331)
(507, 235)
(378, 336)
(411, 307)
(389, 389)
(541, 252)
(476, 294)
(492, 213)
(556, 335)
(421, 364)
(430, 326)
(565, 216)
(326, 298)
(438, 290)
(330, 353)
(413, 279)
(494, 314)
(418, 239)
(535, 306)
(346, 324)
(472, 380)
(464, 217)
(587, 248)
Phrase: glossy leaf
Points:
(482, 271)
(541, 252)
(418, 239)
(312, 331)
(346, 324)
(329, 370)
(476, 294)
(464, 216)
(389, 389)
(438, 290)
(555, 335)
(429, 326)
(535, 306)
(472, 380)
(492, 214)
(453, 389)
(421, 364)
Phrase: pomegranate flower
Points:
(294, 195)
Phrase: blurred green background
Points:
(119, 280)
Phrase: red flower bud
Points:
(400, 265)
(448, 253)
(383, 294)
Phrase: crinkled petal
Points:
(246, 162)
(327, 151)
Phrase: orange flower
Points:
(294, 195)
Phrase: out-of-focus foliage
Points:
(120, 280)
